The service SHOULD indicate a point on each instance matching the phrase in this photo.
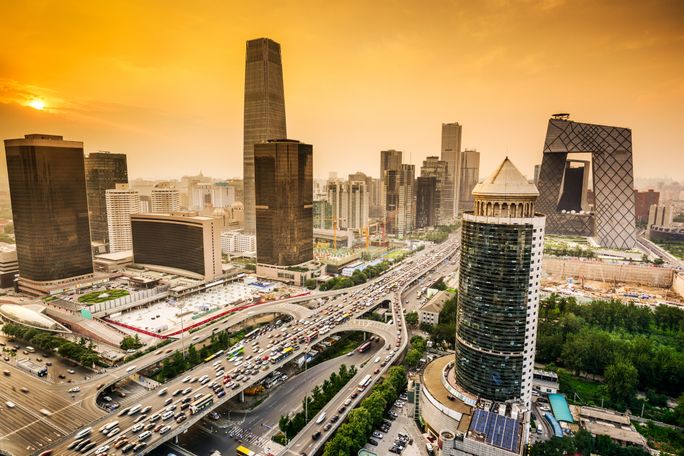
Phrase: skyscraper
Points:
(390, 166)
(434, 167)
(470, 174)
(498, 301)
(406, 208)
(122, 201)
(50, 210)
(165, 198)
(103, 170)
(264, 116)
(426, 190)
(284, 202)
(451, 153)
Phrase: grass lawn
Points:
(662, 438)
(102, 296)
(675, 248)
(396, 253)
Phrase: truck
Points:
(31, 367)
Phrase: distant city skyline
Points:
(177, 108)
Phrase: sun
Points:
(37, 104)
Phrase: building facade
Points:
(121, 202)
(49, 209)
(434, 167)
(180, 241)
(165, 198)
(470, 175)
(103, 170)
(612, 221)
(238, 242)
(390, 167)
(284, 202)
(642, 205)
(660, 215)
(406, 209)
(264, 116)
(496, 321)
(451, 153)
(426, 190)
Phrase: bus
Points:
(364, 382)
(364, 347)
(251, 333)
(201, 403)
(236, 351)
(244, 451)
(288, 351)
(277, 358)
(210, 357)
(311, 336)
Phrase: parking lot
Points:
(395, 436)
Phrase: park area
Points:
(102, 296)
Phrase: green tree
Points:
(411, 319)
(621, 380)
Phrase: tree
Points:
(411, 319)
(621, 380)
(310, 284)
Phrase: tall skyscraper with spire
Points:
(264, 116)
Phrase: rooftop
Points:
(505, 180)
(436, 303)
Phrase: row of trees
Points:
(313, 404)
(564, 251)
(585, 444)
(357, 278)
(631, 347)
(79, 352)
(130, 343)
(354, 433)
(418, 347)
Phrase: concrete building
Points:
(284, 202)
(165, 198)
(103, 170)
(322, 214)
(50, 211)
(642, 205)
(612, 221)
(470, 175)
(496, 321)
(390, 167)
(429, 313)
(349, 203)
(660, 215)
(451, 153)
(439, 169)
(121, 201)
(180, 242)
(213, 195)
(238, 242)
(264, 115)
(406, 209)
(9, 266)
(545, 382)
(617, 426)
(426, 189)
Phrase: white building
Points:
(165, 198)
(429, 313)
(350, 203)
(237, 242)
(207, 194)
(121, 202)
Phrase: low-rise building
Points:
(429, 313)
(9, 267)
(545, 382)
(238, 242)
(617, 426)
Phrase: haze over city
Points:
(163, 81)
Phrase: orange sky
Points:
(162, 81)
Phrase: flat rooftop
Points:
(432, 380)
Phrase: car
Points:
(186, 379)
(75, 389)
(121, 443)
(334, 418)
(177, 392)
(377, 435)
(124, 411)
(341, 409)
(185, 406)
(71, 371)
(137, 427)
(140, 418)
(187, 391)
(88, 447)
(149, 426)
(347, 402)
(146, 409)
(327, 426)
(316, 435)
(181, 418)
(355, 394)
(164, 429)
(168, 401)
(140, 446)
(128, 447)
(376, 371)
(24, 389)
(60, 375)
(373, 442)
(395, 450)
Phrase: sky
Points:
(162, 81)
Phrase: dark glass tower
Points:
(284, 202)
(498, 301)
(264, 111)
(426, 190)
(49, 207)
(103, 171)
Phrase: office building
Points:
(426, 190)
(322, 214)
(501, 254)
(470, 175)
(612, 220)
(264, 116)
(180, 242)
(349, 203)
(336, 190)
(406, 208)
(429, 312)
(537, 168)
(390, 167)
(50, 211)
(451, 153)
(284, 202)
(642, 205)
(121, 201)
(660, 215)
(211, 195)
(237, 242)
(9, 266)
(434, 167)
(103, 170)
(165, 198)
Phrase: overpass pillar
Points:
(242, 396)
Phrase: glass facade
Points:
(492, 308)
(103, 171)
(177, 245)
(284, 202)
(264, 116)
(49, 207)
(426, 191)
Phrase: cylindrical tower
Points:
(498, 302)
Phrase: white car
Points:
(75, 389)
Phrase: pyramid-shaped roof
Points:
(505, 180)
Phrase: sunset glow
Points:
(37, 104)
